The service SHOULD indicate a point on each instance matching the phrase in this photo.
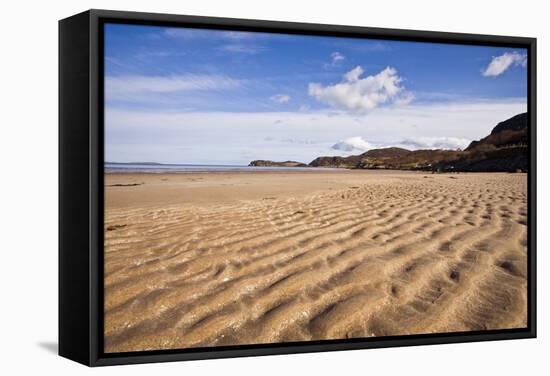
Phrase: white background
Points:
(28, 245)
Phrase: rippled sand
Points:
(240, 258)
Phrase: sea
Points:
(110, 167)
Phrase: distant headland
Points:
(505, 149)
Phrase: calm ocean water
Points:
(159, 168)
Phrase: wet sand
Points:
(210, 259)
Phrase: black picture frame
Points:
(81, 186)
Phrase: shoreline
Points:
(216, 187)
(247, 169)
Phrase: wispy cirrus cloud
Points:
(194, 33)
(361, 95)
(280, 98)
(500, 64)
(336, 57)
(240, 35)
(241, 42)
(125, 87)
(242, 48)
(186, 33)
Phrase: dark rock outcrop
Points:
(337, 162)
(388, 158)
(262, 163)
(403, 159)
(511, 159)
(516, 123)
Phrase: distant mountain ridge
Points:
(505, 149)
(388, 158)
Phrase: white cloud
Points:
(353, 144)
(125, 87)
(280, 98)
(336, 57)
(415, 143)
(353, 75)
(499, 64)
(220, 137)
(404, 99)
(361, 95)
(359, 145)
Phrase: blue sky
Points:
(180, 95)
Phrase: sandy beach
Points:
(212, 259)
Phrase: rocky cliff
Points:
(504, 149)
(262, 163)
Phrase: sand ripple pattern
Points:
(437, 253)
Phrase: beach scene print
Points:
(266, 188)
